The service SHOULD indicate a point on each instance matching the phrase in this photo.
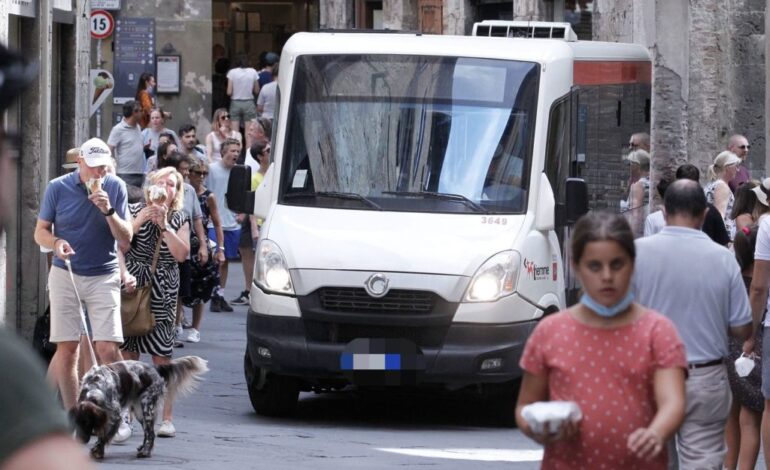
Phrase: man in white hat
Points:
(89, 208)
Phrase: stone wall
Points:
(709, 69)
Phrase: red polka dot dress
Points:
(608, 372)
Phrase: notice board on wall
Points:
(134, 55)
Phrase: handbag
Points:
(135, 312)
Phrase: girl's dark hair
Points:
(598, 227)
(744, 243)
(745, 200)
(143, 79)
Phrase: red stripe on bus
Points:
(611, 72)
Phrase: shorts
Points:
(185, 279)
(232, 237)
(246, 241)
(101, 295)
(133, 179)
(243, 110)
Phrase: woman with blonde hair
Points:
(638, 206)
(220, 131)
(160, 231)
(718, 192)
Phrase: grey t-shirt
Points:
(129, 150)
(682, 274)
(217, 184)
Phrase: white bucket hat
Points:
(761, 190)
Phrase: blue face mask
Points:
(608, 312)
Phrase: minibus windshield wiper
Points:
(337, 195)
(442, 196)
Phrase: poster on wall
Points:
(100, 87)
(168, 73)
(134, 55)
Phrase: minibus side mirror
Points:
(577, 199)
(239, 197)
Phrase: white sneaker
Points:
(193, 335)
(124, 431)
(167, 429)
(178, 332)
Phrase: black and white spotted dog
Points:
(140, 387)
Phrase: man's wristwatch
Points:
(109, 212)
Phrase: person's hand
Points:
(239, 218)
(203, 255)
(224, 130)
(255, 233)
(145, 214)
(748, 346)
(148, 145)
(159, 215)
(101, 200)
(645, 443)
(567, 431)
(129, 282)
(220, 257)
(62, 249)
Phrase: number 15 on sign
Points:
(102, 24)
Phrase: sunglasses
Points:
(226, 116)
(201, 173)
(744, 147)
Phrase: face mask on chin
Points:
(608, 312)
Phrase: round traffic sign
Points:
(102, 24)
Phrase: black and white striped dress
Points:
(165, 285)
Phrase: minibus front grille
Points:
(343, 299)
(341, 333)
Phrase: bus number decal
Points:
(494, 220)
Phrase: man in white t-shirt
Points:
(242, 86)
(266, 99)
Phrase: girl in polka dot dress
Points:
(623, 364)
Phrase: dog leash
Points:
(82, 314)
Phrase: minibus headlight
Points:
(495, 278)
(272, 272)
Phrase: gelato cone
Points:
(101, 82)
(158, 194)
(94, 185)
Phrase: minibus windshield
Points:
(410, 133)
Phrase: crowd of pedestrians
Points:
(649, 352)
(148, 208)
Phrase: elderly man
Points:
(88, 208)
(38, 435)
(739, 145)
(703, 307)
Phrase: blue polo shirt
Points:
(77, 220)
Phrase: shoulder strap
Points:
(156, 255)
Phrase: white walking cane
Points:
(82, 314)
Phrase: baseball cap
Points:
(761, 191)
(95, 152)
(639, 156)
(272, 58)
(726, 158)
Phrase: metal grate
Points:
(357, 300)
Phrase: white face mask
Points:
(744, 365)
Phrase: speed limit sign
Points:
(102, 24)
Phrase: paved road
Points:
(217, 428)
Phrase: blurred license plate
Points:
(350, 361)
